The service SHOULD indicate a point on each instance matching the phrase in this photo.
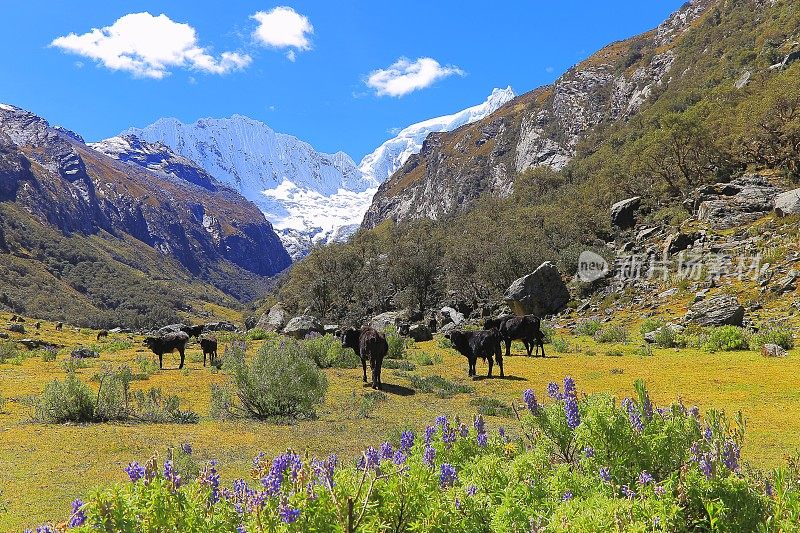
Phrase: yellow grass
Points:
(44, 467)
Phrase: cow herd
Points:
(175, 341)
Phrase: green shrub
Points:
(70, 400)
(48, 355)
(257, 334)
(444, 342)
(560, 345)
(147, 367)
(427, 359)
(615, 352)
(439, 386)
(361, 407)
(281, 382)
(547, 333)
(327, 352)
(666, 337)
(588, 327)
(221, 404)
(397, 345)
(725, 339)
(8, 350)
(488, 406)
(780, 335)
(651, 324)
(611, 334)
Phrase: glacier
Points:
(309, 197)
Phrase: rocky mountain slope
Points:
(310, 197)
(206, 233)
(540, 128)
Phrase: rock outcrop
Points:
(542, 292)
(717, 311)
(623, 213)
(301, 326)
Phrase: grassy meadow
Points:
(44, 467)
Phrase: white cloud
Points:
(149, 46)
(549, 69)
(405, 76)
(283, 27)
(291, 55)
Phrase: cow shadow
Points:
(507, 378)
(397, 390)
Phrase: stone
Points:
(3, 335)
(389, 319)
(787, 284)
(540, 293)
(420, 333)
(716, 311)
(772, 350)
(451, 315)
(300, 326)
(169, 328)
(450, 326)
(788, 203)
(219, 326)
(646, 233)
(84, 353)
(678, 242)
(331, 329)
(742, 201)
(16, 328)
(623, 213)
(273, 320)
(669, 292)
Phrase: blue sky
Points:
(304, 70)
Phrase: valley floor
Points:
(44, 467)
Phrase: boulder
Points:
(787, 284)
(300, 326)
(542, 292)
(273, 320)
(84, 353)
(169, 328)
(219, 326)
(331, 329)
(3, 335)
(389, 319)
(772, 350)
(678, 242)
(651, 335)
(623, 213)
(788, 203)
(420, 332)
(451, 315)
(742, 201)
(450, 326)
(717, 311)
(16, 328)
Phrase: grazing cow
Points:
(102, 334)
(37, 325)
(60, 326)
(370, 345)
(526, 328)
(209, 346)
(167, 344)
(473, 344)
(193, 331)
(495, 322)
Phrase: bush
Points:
(492, 407)
(611, 334)
(281, 382)
(666, 337)
(8, 350)
(725, 339)
(327, 352)
(70, 400)
(439, 386)
(587, 327)
(48, 355)
(361, 407)
(651, 324)
(560, 345)
(427, 359)
(780, 335)
(397, 345)
(257, 334)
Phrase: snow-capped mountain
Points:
(308, 196)
(391, 155)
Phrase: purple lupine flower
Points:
(78, 517)
(768, 490)
(288, 514)
(187, 448)
(530, 401)
(172, 475)
(44, 528)
(387, 452)
(457, 503)
(645, 478)
(553, 391)
(448, 437)
(708, 434)
(272, 483)
(482, 439)
(647, 407)
(463, 430)
(633, 415)
(472, 490)
(429, 455)
(429, 431)
(605, 474)
(441, 421)
(258, 458)
(569, 387)
(628, 492)
(588, 452)
(695, 412)
(571, 411)
(210, 478)
(135, 471)
(707, 466)
(447, 475)
(660, 490)
(240, 529)
(502, 432)
(656, 521)
(372, 458)
(567, 496)
(730, 455)
(399, 457)
(480, 424)
(406, 440)
(694, 452)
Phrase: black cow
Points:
(473, 344)
(60, 326)
(526, 328)
(193, 331)
(209, 346)
(167, 344)
(102, 334)
(370, 345)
